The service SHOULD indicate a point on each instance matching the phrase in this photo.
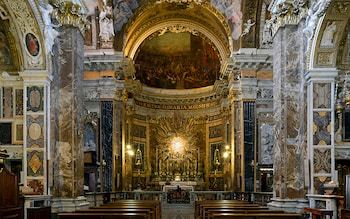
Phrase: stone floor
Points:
(178, 211)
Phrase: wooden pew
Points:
(200, 204)
(147, 211)
(233, 204)
(255, 216)
(101, 215)
(210, 212)
(119, 209)
(155, 206)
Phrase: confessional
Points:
(10, 203)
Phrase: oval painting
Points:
(32, 44)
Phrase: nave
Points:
(136, 96)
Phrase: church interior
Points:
(176, 101)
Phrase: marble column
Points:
(289, 116)
(107, 144)
(67, 121)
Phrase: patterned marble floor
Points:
(178, 211)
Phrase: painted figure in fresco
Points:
(4, 51)
(328, 34)
(233, 13)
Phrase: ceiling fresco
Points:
(177, 61)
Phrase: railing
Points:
(99, 198)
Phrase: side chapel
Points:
(103, 96)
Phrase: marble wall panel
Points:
(19, 102)
(321, 128)
(35, 165)
(7, 102)
(319, 182)
(322, 160)
(322, 95)
(35, 99)
(35, 131)
(37, 185)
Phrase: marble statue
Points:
(247, 25)
(106, 23)
(314, 12)
(49, 32)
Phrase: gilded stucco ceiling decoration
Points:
(332, 36)
(156, 18)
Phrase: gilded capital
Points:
(69, 13)
(287, 12)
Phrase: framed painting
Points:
(17, 133)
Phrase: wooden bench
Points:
(255, 216)
(101, 215)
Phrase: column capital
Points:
(286, 12)
(70, 12)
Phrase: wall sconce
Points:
(129, 151)
(227, 151)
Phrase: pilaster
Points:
(289, 113)
(36, 87)
(321, 120)
(67, 115)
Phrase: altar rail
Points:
(99, 198)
